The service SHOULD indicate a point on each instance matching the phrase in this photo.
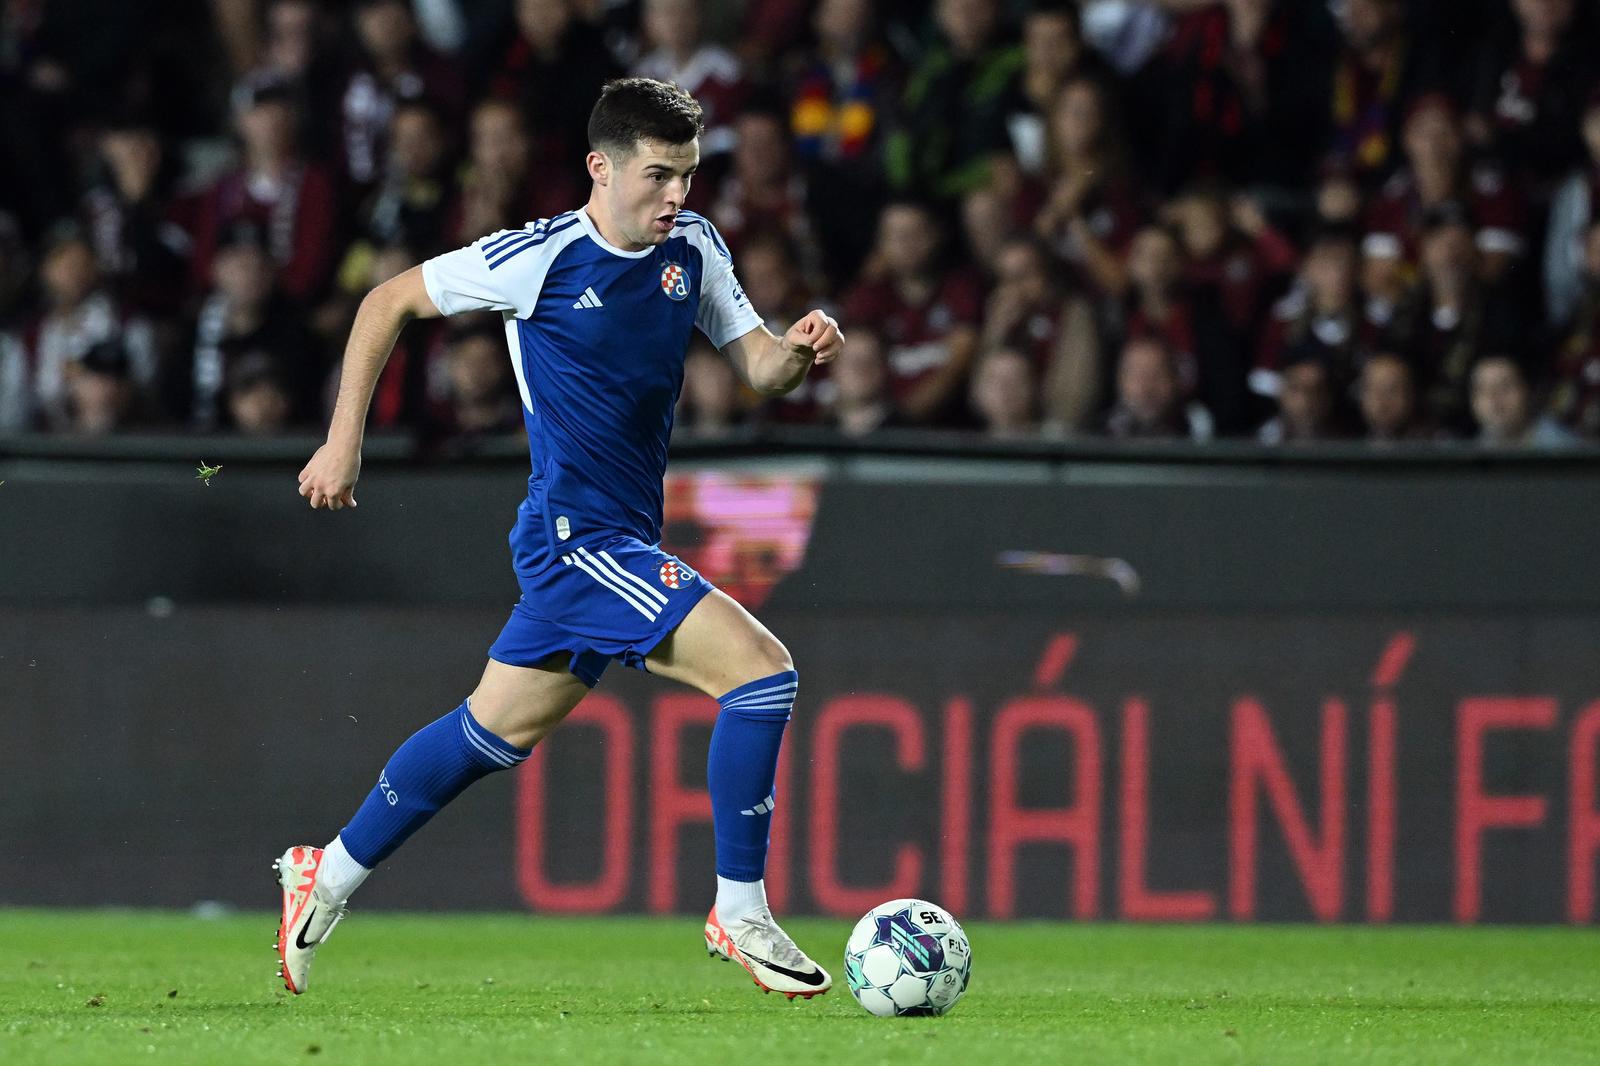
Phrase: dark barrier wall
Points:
(1391, 536)
(1177, 767)
(998, 716)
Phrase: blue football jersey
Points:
(597, 337)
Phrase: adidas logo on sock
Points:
(764, 807)
(588, 299)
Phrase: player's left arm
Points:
(773, 365)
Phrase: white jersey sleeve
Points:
(501, 272)
(725, 312)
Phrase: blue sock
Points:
(741, 769)
(429, 770)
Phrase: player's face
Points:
(643, 192)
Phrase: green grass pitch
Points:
(111, 987)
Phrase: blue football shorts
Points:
(612, 598)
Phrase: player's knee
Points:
(767, 657)
(759, 664)
(778, 658)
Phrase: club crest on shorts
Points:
(674, 574)
(674, 281)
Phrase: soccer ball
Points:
(907, 956)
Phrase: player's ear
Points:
(599, 167)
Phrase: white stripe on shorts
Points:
(584, 562)
(654, 593)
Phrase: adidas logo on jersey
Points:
(588, 299)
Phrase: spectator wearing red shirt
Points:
(928, 314)
(1249, 81)
(767, 31)
(509, 179)
(553, 69)
(1233, 254)
(1091, 208)
(765, 192)
(1437, 174)
(392, 65)
(1208, 359)
(858, 400)
(1150, 402)
(1451, 318)
(1530, 93)
(708, 72)
(274, 186)
(1032, 311)
(1322, 317)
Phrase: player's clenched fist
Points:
(329, 479)
(819, 333)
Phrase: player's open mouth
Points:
(666, 222)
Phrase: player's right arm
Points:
(500, 272)
(329, 479)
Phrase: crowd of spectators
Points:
(1288, 220)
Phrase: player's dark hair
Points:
(631, 110)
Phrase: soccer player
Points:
(598, 305)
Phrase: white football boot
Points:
(308, 918)
(761, 947)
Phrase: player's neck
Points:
(600, 218)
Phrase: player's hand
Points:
(818, 334)
(329, 479)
